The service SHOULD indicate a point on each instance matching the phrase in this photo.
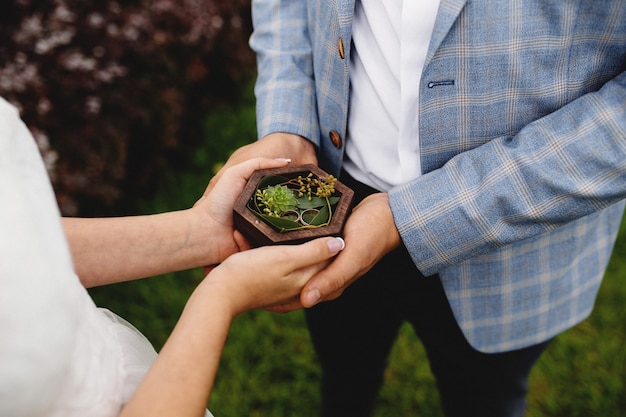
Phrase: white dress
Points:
(60, 355)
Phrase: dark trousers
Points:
(353, 336)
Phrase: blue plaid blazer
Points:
(523, 147)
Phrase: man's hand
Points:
(275, 145)
(370, 233)
(213, 212)
(270, 275)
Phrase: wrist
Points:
(202, 239)
(298, 148)
(392, 237)
(221, 293)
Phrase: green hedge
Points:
(115, 92)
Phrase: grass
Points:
(268, 367)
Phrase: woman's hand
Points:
(370, 233)
(214, 210)
(270, 275)
(180, 380)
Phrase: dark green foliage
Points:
(116, 92)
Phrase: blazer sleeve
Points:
(285, 89)
(555, 170)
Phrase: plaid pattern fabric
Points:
(523, 141)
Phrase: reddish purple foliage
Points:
(115, 92)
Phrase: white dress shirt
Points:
(390, 44)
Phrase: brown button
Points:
(335, 138)
(342, 53)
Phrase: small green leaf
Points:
(304, 203)
(322, 218)
(279, 223)
(315, 202)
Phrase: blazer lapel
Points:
(446, 16)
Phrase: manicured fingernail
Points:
(312, 297)
(288, 160)
(336, 244)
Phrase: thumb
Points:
(332, 246)
(315, 251)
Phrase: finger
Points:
(299, 263)
(207, 269)
(233, 160)
(212, 183)
(240, 240)
(329, 283)
(313, 252)
(235, 176)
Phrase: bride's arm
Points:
(180, 381)
(108, 250)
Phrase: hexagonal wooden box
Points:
(261, 233)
